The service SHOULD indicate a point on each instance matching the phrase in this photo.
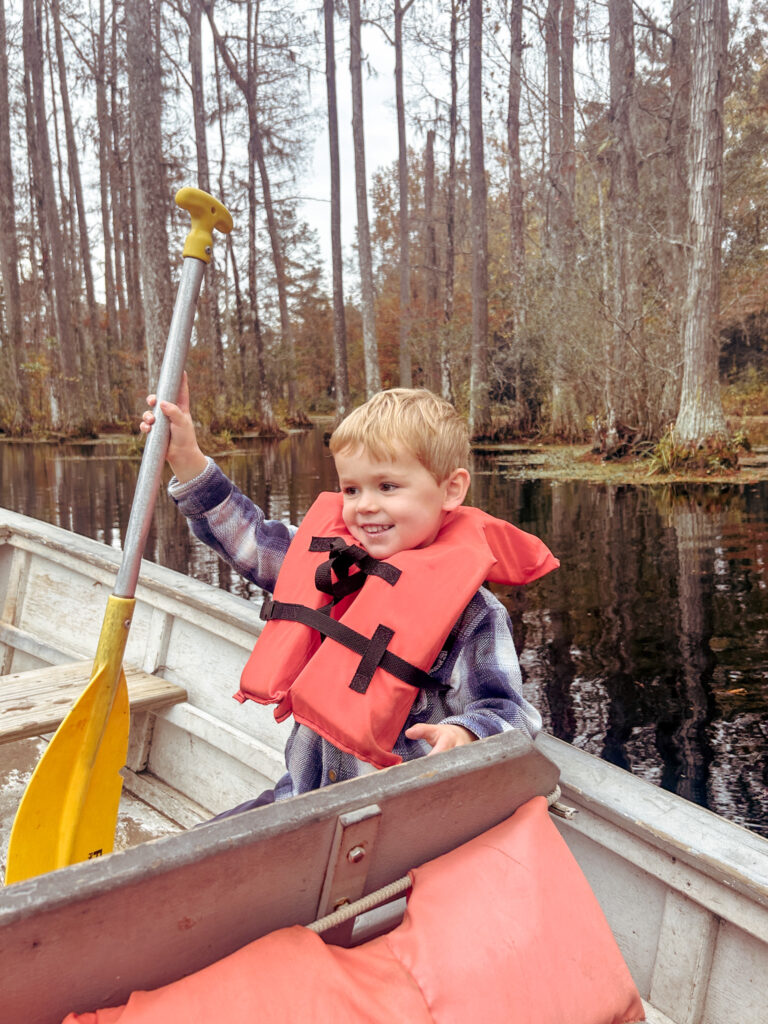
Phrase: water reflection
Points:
(647, 647)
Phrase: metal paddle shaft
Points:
(69, 809)
(153, 460)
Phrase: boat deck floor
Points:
(138, 821)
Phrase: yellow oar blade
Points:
(69, 810)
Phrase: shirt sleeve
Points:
(486, 684)
(222, 517)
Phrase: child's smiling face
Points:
(394, 505)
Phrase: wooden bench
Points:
(35, 702)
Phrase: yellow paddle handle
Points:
(207, 213)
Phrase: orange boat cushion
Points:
(504, 930)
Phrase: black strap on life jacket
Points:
(342, 558)
(373, 652)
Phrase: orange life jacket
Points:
(385, 622)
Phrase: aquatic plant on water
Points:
(715, 455)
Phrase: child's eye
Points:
(388, 487)
(349, 491)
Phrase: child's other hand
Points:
(441, 737)
(184, 455)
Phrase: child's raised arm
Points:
(184, 455)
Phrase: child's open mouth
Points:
(374, 528)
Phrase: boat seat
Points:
(35, 702)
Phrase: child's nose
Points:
(368, 500)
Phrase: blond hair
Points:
(412, 418)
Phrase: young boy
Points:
(417, 660)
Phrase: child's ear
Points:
(456, 489)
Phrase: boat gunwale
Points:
(159, 579)
(165, 855)
(721, 850)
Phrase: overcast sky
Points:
(380, 137)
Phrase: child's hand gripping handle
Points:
(207, 213)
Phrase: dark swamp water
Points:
(649, 647)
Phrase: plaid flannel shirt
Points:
(478, 664)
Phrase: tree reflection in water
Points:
(647, 647)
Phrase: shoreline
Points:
(529, 460)
(576, 462)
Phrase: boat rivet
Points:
(356, 854)
(208, 250)
(127, 624)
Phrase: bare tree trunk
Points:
(516, 218)
(131, 315)
(229, 257)
(625, 313)
(247, 85)
(565, 413)
(370, 347)
(679, 137)
(111, 342)
(554, 213)
(145, 91)
(479, 396)
(96, 381)
(77, 318)
(560, 131)
(450, 205)
(43, 323)
(193, 18)
(66, 218)
(701, 411)
(517, 266)
(568, 159)
(554, 129)
(128, 247)
(67, 381)
(295, 415)
(118, 191)
(406, 373)
(11, 395)
(267, 422)
(676, 249)
(430, 252)
(241, 332)
(339, 323)
(208, 319)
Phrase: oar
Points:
(69, 810)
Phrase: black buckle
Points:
(342, 558)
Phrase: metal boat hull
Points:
(685, 892)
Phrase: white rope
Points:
(350, 910)
(554, 796)
(558, 808)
